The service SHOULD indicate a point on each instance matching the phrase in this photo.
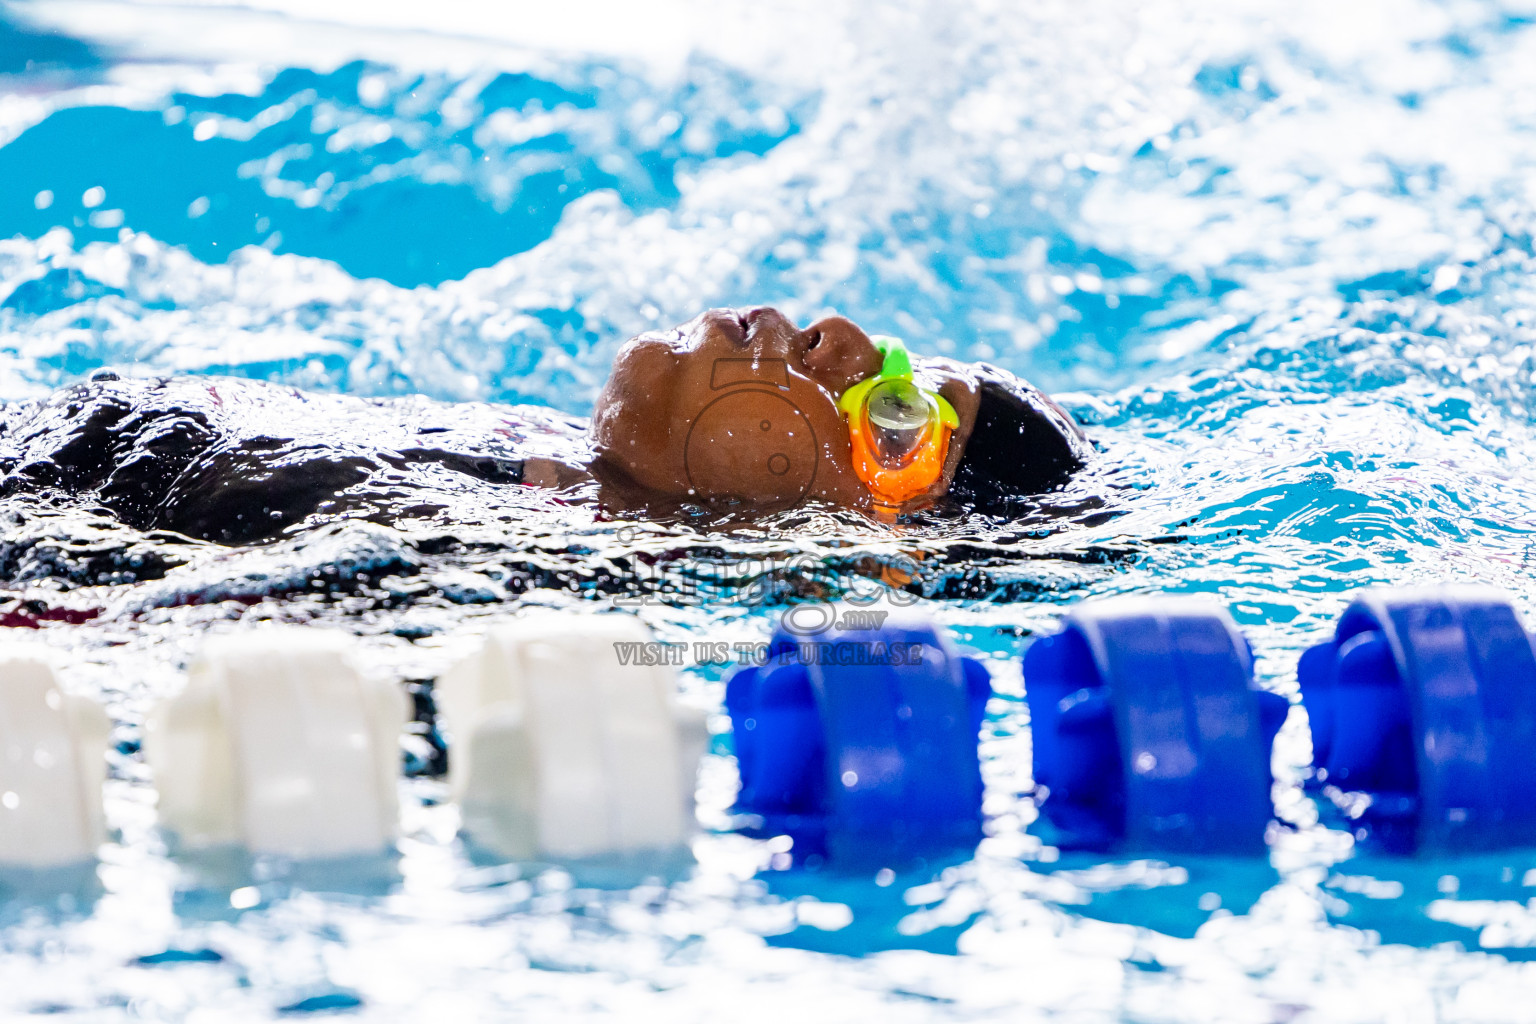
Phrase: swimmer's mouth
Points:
(734, 324)
(742, 324)
(750, 318)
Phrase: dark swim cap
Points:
(1022, 444)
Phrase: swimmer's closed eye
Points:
(899, 432)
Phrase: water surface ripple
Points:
(1278, 258)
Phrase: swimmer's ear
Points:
(837, 354)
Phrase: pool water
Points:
(1277, 258)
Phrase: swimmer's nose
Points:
(837, 354)
(833, 351)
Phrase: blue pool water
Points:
(1278, 258)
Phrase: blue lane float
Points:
(861, 744)
(1149, 731)
(1424, 702)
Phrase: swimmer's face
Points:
(741, 406)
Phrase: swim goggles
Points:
(899, 432)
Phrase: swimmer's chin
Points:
(728, 515)
(616, 494)
(604, 483)
(609, 486)
(555, 475)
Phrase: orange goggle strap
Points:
(916, 472)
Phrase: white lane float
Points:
(52, 766)
(281, 745)
(561, 751)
